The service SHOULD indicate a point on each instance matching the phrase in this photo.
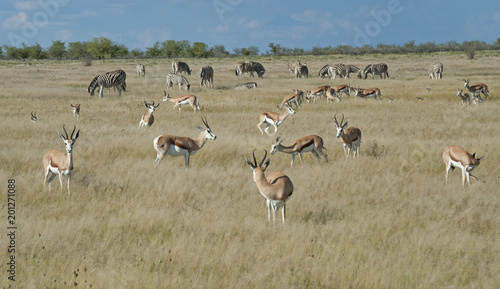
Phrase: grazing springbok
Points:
(477, 88)
(369, 92)
(148, 119)
(351, 137)
(317, 92)
(182, 146)
(331, 95)
(185, 99)
(296, 97)
(75, 108)
(310, 143)
(343, 88)
(33, 117)
(277, 187)
(464, 96)
(59, 163)
(274, 118)
(457, 157)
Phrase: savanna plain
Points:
(384, 220)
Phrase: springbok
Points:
(148, 119)
(59, 163)
(274, 118)
(33, 117)
(464, 96)
(296, 97)
(369, 92)
(331, 95)
(182, 146)
(186, 99)
(343, 88)
(75, 108)
(457, 157)
(477, 88)
(277, 187)
(317, 92)
(351, 137)
(310, 143)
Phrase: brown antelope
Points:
(464, 96)
(296, 97)
(369, 92)
(317, 92)
(457, 157)
(310, 143)
(351, 137)
(274, 118)
(477, 88)
(33, 117)
(186, 99)
(343, 88)
(277, 188)
(182, 146)
(148, 119)
(76, 110)
(331, 95)
(59, 163)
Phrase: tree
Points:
(35, 51)
(77, 49)
(57, 50)
(469, 47)
(219, 51)
(120, 50)
(154, 51)
(200, 49)
(102, 47)
(253, 50)
(136, 52)
(275, 48)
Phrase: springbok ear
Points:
(345, 124)
(63, 138)
(200, 128)
(249, 163)
(77, 135)
(266, 163)
(474, 155)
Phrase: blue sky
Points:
(244, 23)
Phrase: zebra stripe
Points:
(301, 70)
(109, 79)
(339, 69)
(179, 67)
(140, 69)
(292, 64)
(207, 76)
(436, 70)
(353, 69)
(248, 85)
(249, 67)
(323, 72)
(376, 69)
(177, 79)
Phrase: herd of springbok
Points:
(276, 188)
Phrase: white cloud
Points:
(252, 24)
(496, 16)
(309, 16)
(221, 28)
(28, 5)
(15, 22)
(64, 34)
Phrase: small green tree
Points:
(469, 47)
(136, 52)
(102, 47)
(77, 49)
(57, 50)
(155, 50)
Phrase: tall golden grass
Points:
(384, 220)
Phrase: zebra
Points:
(436, 70)
(110, 79)
(292, 64)
(140, 69)
(323, 72)
(301, 70)
(177, 79)
(248, 85)
(376, 69)
(259, 68)
(353, 69)
(179, 67)
(249, 67)
(207, 76)
(337, 69)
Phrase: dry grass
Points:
(385, 220)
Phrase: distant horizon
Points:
(241, 24)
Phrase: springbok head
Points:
(261, 166)
(208, 132)
(339, 127)
(152, 107)
(69, 141)
(274, 146)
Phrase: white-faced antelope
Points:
(465, 97)
(477, 88)
(457, 157)
(317, 92)
(33, 117)
(369, 92)
(310, 143)
(182, 146)
(274, 118)
(277, 187)
(351, 137)
(148, 119)
(75, 108)
(296, 97)
(185, 99)
(58, 163)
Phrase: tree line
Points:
(105, 48)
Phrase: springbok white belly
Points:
(177, 151)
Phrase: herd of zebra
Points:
(340, 69)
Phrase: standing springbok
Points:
(457, 157)
(182, 146)
(56, 162)
(185, 99)
(317, 92)
(277, 187)
(310, 143)
(343, 88)
(274, 118)
(75, 108)
(369, 92)
(148, 119)
(464, 96)
(351, 137)
(477, 88)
